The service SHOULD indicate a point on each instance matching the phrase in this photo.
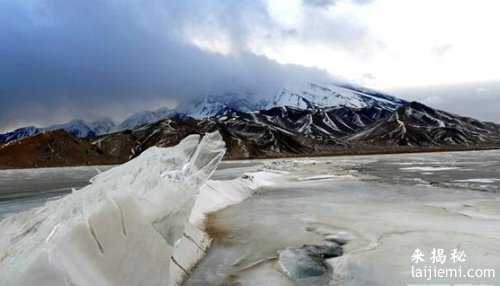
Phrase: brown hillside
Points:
(51, 149)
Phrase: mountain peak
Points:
(312, 95)
(145, 117)
(302, 96)
(221, 103)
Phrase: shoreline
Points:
(329, 153)
(55, 192)
(27, 195)
(360, 152)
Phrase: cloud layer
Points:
(92, 58)
(477, 100)
(62, 60)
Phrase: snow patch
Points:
(326, 177)
(484, 181)
(429, 169)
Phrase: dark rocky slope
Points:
(276, 132)
(52, 149)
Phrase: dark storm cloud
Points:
(68, 59)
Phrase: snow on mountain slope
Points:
(311, 95)
(415, 124)
(209, 106)
(77, 127)
(85, 129)
(103, 126)
(303, 96)
(287, 131)
(307, 96)
(19, 134)
(219, 104)
(145, 117)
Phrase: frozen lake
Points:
(384, 207)
(26, 188)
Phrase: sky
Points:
(89, 59)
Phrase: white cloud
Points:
(135, 52)
(478, 100)
(401, 42)
(288, 14)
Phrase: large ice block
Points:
(119, 230)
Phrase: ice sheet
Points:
(382, 218)
(429, 169)
(214, 196)
(120, 230)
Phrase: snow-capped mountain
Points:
(219, 104)
(19, 133)
(212, 105)
(145, 117)
(288, 131)
(331, 109)
(209, 106)
(77, 127)
(303, 96)
(84, 129)
(313, 95)
(307, 119)
(103, 126)
(415, 124)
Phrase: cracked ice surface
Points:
(120, 230)
(383, 214)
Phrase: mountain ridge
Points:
(77, 127)
(322, 120)
(278, 132)
(307, 95)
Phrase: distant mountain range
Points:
(310, 119)
(304, 96)
(77, 127)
